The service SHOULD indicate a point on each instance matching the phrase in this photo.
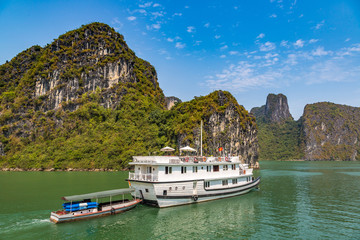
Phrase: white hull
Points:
(187, 192)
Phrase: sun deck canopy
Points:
(102, 194)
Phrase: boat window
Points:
(168, 170)
(234, 181)
(170, 188)
(146, 190)
(176, 188)
(183, 187)
(165, 192)
(225, 167)
(183, 169)
(207, 184)
(195, 169)
(208, 168)
(233, 167)
(216, 168)
(225, 182)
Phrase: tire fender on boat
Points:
(195, 198)
(112, 211)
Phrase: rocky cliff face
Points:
(171, 101)
(226, 124)
(276, 109)
(332, 132)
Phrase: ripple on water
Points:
(279, 173)
(351, 173)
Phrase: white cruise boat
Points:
(165, 181)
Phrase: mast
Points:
(201, 138)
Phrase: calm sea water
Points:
(301, 200)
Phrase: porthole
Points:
(170, 188)
(176, 188)
(183, 187)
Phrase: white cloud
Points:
(156, 26)
(180, 45)
(348, 39)
(224, 47)
(156, 5)
(273, 15)
(217, 36)
(284, 43)
(268, 46)
(261, 35)
(158, 14)
(299, 43)
(145, 5)
(197, 43)
(320, 52)
(233, 52)
(207, 25)
(170, 39)
(241, 77)
(332, 71)
(177, 14)
(313, 40)
(131, 18)
(190, 29)
(223, 56)
(319, 25)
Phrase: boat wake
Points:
(22, 225)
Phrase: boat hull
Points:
(62, 216)
(153, 193)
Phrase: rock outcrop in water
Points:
(86, 101)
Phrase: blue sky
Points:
(307, 50)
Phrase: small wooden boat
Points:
(80, 207)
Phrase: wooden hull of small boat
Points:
(62, 216)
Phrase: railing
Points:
(143, 177)
(197, 159)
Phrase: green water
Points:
(297, 200)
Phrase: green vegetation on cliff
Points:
(280, 141)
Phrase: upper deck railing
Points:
(144, 177)
(184, 159)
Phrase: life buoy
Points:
(204, 159)
(186, 159)
(226, 159)
(244, 171)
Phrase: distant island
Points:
(326, 131)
